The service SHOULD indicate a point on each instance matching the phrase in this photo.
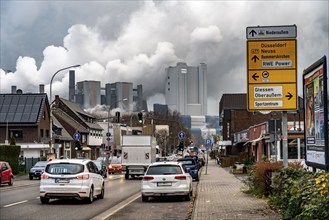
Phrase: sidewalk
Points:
(219, 196)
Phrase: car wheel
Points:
(188, 196)
(11, 182)
(197, 178)
(31, 177)
(145, 198)
(101, 196)
(44, 200)
(90, 198)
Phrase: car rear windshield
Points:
(164, 170)
(64, 168)
(41, 164)
(187, 162)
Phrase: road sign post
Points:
(272, 73)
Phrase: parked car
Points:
(115, 166)
(6, 173)
(166, 179)
(71, 178)
(102, 167)
(195, 157)
(37, 169)
(191, 166)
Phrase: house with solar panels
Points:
(26, 118)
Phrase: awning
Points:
(86, 148)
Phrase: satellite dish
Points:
(19, 91)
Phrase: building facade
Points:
(186, 89)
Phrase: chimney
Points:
(13, 89)
(41, 88)
(71, 85)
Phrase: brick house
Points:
(26, 118)
(73, 119)
(249, 131)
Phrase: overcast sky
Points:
(134, 41)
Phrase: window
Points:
(41, 133)
(18, 134)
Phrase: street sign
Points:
(181, 135)
(270, 32)
(272, 54)
(272, 72)
(76, 136)
(208, 142)
(272, 96)
(271, 76)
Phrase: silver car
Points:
(71, 178)
(166, 179)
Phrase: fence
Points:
(25, 164)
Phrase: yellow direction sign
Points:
(272, 76)
(271, 54)
(272, 97)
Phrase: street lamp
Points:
(108, 121)
(50, 98)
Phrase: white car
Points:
(71, 178)
(166, 179)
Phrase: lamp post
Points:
(108, 121)
(50, 101)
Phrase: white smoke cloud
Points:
(135, 41)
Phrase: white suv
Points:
(71, 178)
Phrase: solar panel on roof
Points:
(28, 108)
(22, 100)
(7, 100)
(12, 108)
(18, 117)
(25, 117)
(4, 109)
(10, 117)
(3, 117)
(33, 117)
(20, 108)
(35, 109)
(15, 100)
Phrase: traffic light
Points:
(140, 118)
(117, 116)
(77, 146)
(181, 146)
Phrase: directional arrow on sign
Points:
(253, 32)
(255, 76)
(255, 58)
(289, 96)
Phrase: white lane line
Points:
(117, 207)
(16, 203)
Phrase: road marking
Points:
(117, 207)
(16, 203)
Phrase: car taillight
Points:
(180, 177)
(44, 176)
(148, 178)
(83, 177)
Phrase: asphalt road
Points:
(24, 202)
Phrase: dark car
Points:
(37, 170)
(101, 165)
(191, 166)
(194, 157)
(6, 174)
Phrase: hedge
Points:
(10, 153)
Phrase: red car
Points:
(6, 174)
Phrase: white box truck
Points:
(138, 152)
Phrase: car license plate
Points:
(164, 184)
(62, 180)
